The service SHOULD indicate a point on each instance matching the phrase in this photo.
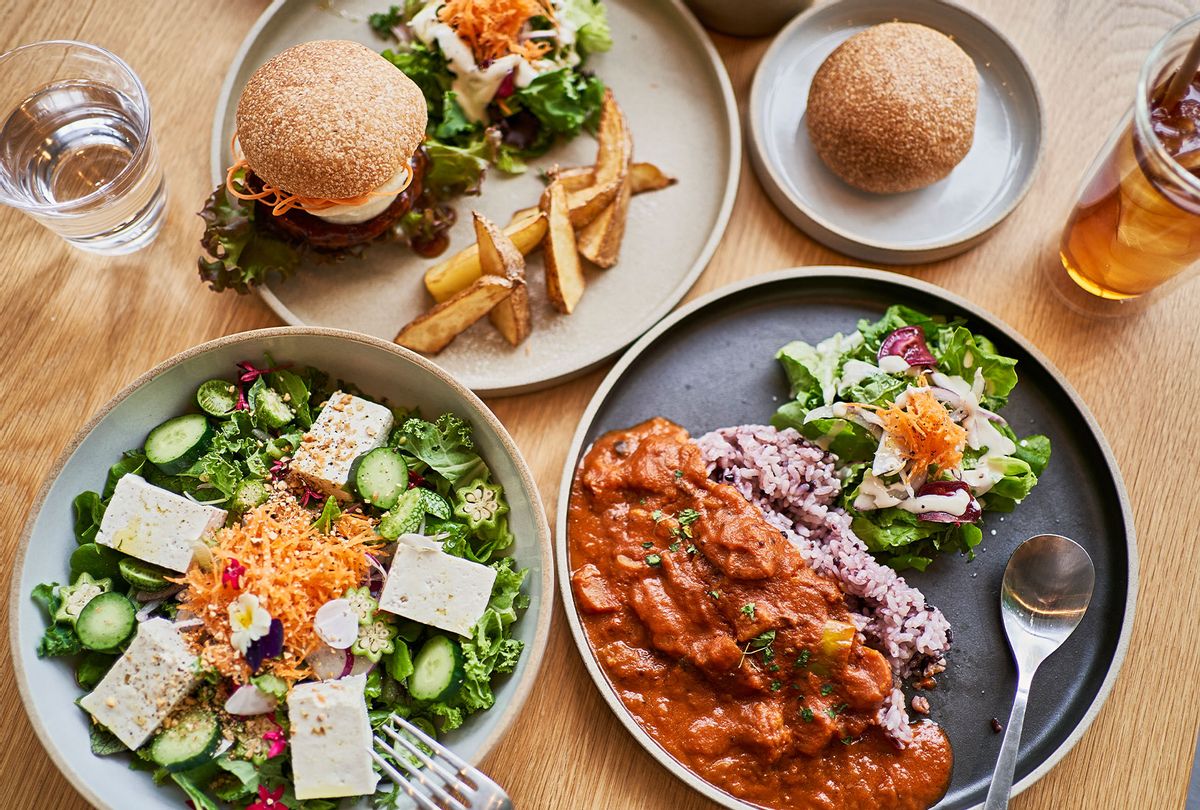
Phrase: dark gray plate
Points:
(712, 364)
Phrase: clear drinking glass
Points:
(1136, 223)
(76, 151)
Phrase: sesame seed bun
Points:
(330, 118)
(893, 108)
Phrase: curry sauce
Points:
(729, 650)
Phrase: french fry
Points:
(499, 257)
(564, 275)
(457, 272)
(433, 331)
(600, 241)
(615, 146)
(523, 213)
(645, 177)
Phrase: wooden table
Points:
(76, 328)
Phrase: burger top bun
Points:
(893, 108)
(330, 119)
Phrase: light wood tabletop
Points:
(76, 328)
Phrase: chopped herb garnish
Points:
(714, 594)
(806, 714)
(647, 544)
(834, 711)
(675, 531)
(657, 515)
(774, 667)
(776, 686)
(826, 688)
(641, 501)
(687, 517)
(653, 559)
(678, 474)
(691, 549)
(802, 658)
(674, 546)
(849, 740)
(748, 609)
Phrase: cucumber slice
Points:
(381, 477)
(217, 397)
(175, 445)
(189, 743)
(100, 562)
(251, 492)
(143, 575)
(434, 504)
(270, 411)
(106, 622)
(403, 518)
(437, 670)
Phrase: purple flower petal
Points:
(269, 646)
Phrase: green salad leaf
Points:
(454, 170)
(446, 446)
(563, 101)
(590, 19)
(239, 254)
(961, 353)
(89, 511)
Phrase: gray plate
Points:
(711, 364)
(680, 106)
(932, 223)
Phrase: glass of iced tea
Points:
(76, 151)
(1136, 223)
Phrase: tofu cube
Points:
(427, 585)
(156, 525)
(331, 739)
(143, 686)
(347, 427)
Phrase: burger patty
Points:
(322, 235)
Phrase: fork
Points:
(445, 783)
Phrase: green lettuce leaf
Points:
(58, 640)
(131, 463)
(877, 389)
(563, 101)
(446, 446)
(895, 317)
(453, 170)
(961, 353)
(590, 19)
(1034, 451)
(851, 442)
(239, 255)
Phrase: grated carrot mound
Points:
(292, 569)
(926, 434)
(492, 28)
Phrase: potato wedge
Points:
(564, 274)
(457, 272)
(433, 331)
(587, 203)
(600, 241)
(499, 257)
(523, 213)
(645, 177)
(615, 149)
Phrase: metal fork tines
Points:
(430, 773)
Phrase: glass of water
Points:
(76, 151)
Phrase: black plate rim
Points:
(818, 273)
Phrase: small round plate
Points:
(932, 223)
(673, 88)
(712, 363)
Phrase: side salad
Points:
(910, 406)
(269, 577)
(503, 79)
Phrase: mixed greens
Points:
(504, 97)
(228, 740)
(909, 406)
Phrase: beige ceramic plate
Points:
(674, 90)
(48, 687)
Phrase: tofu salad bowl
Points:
(259, 551)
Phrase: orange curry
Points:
(729, 650)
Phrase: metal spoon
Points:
(1046, 590)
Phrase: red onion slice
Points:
(907, 342)
(972, 513)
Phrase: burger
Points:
(328, 144)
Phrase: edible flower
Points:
(268, 799)
(310, 495)
(269, 646)
(250, 373)
(249, 621)
(242, 404)
(231, 577)
(277, 743)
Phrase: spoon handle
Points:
(1006, 765)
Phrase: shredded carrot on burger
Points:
(293, 570)
(282, 201)
(492, 28)
(924, 431)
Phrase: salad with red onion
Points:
(910, 406)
